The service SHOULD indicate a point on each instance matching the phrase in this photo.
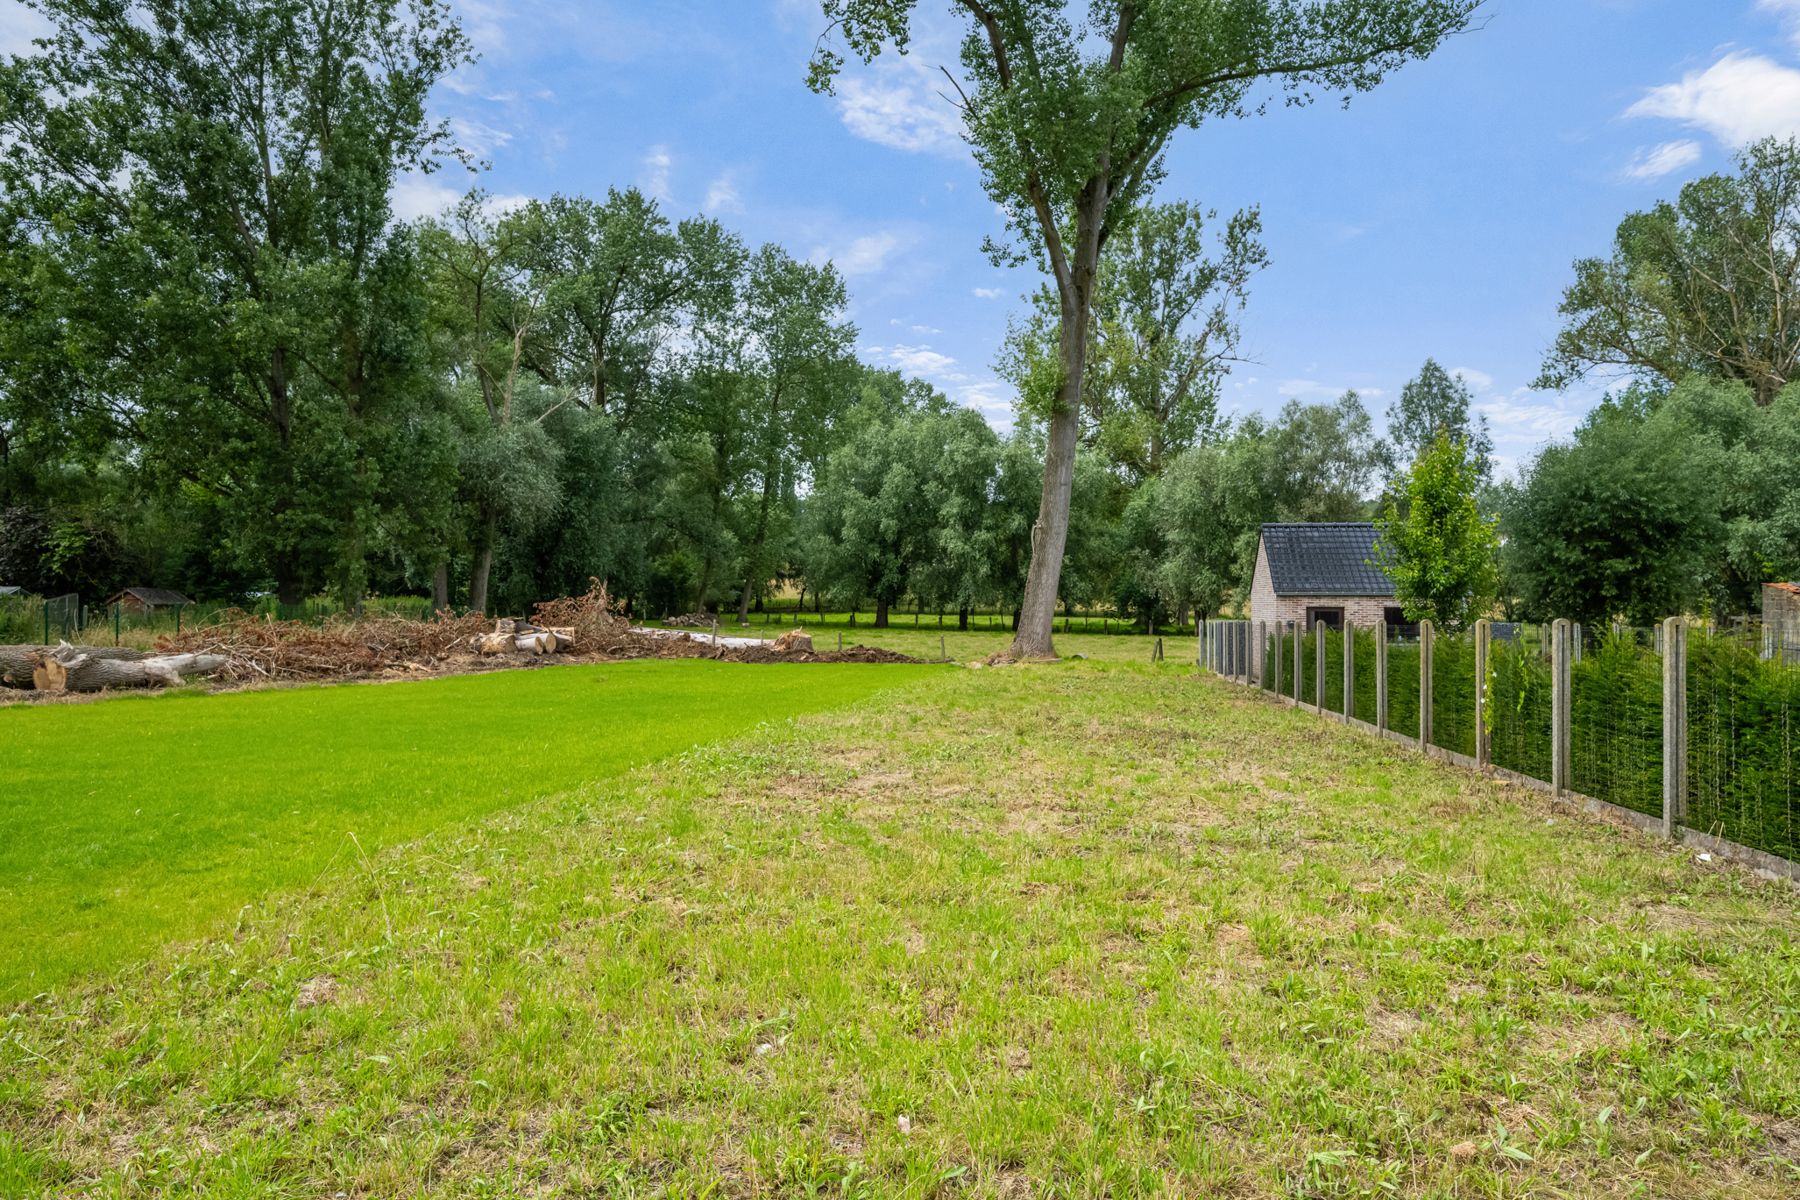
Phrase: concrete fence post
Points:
(1299, 675)
(1349, 669)
(1280, 656)
(1381, 686)
(1484, 744)
(1260, 658)
(1560, 640)
(1427, 635)
(1675, 725)
(1319, 666)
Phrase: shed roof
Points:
(1324, 559)
(154, 597)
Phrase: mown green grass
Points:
(1052, 931)
(132, 822)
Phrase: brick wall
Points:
(1781, 613)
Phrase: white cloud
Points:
(655, 179)
(416, 196)
(989, 397)
(477, 137)
(1737, 100)
(1517, 418)
(1479, 381)
(989, 293)
(863, 256)
(926, 329)
(896, 103)
(1788, 11)
(18, 26)
(722, 194)
(1661, 160)
(922, 361)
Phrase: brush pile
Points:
(259, 649)
(692, 620)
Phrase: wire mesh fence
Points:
(1519, 705)
(1735, 774)
(1453, 693)
(1616, 718)
(1743, 698)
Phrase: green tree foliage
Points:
(1439, 548)
(1436, 403)
(1069, 110)
(900, 509)
(1164, 333)
(1704, 285)
(1314, 462)
(1620, 522)
(199, 200)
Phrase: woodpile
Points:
(515, 636)
(257, 649)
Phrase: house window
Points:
(1399, 628)
(1333, 617)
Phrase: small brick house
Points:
(1781, 615)
(1321, 572)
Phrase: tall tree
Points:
(1707, 284)
(1439, 548)
(206, 188)
(1621, 521)
(1164, 332)
(1069, 116)
(1434, 404)
(794, 314)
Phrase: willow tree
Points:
(1070, 112)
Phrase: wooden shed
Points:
(148, 599)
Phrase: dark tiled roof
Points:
(1324, 560)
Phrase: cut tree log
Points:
(17, 663)
(84, 672)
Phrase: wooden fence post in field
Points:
(1675, 725)
(1427, 634)
(1559, 706)
(1319, 666)
(1484, 748)
(1381, 688)
(1349, 669)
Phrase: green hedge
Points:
(1519, 697)
(1743, 744)
(1453, 692)
(1403, 688)
(1615, 734)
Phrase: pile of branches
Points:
(256, 648)
(598, 625)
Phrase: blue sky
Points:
(1436, 216)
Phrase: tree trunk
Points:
(63, 671)
(962, 620)
(440, 588)
(881, 614)
(484, 563)
(1050, 533)
(16, 665)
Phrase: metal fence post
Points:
(1319, 666)
(1559, 706)
(1675, 725)
(1427, 636)
(1484, 749)
(1349, 669)
(1381, 685)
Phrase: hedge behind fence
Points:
(1743, 713)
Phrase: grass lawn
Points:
(1078, 930)
(133, 822)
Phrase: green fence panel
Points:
(1453, 692)
(1615, 720)
(1519, 704)
(1743, 742)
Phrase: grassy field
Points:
(1079, 930)
(129, 823)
